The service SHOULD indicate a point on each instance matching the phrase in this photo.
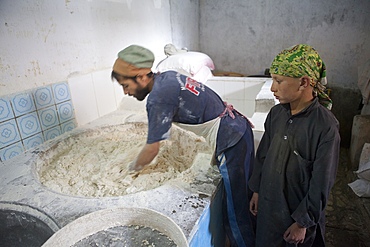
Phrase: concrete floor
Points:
(348, 216)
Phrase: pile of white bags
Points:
(195, 65)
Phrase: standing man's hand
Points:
(295, 234)
(253, 204)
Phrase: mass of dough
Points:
(94, 163)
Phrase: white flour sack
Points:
(364, 171)
(361, 187)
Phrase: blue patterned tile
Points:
(48, 117)
(22, 104)
(65, 111)
(28, 125)
(11, 151)
(6, 111)
(8, 133)
(43, 97)
(61, 92)
(33, 141)
(68, 126)
(52, 133)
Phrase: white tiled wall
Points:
(83, 98)
(94, 95)
(241, 92)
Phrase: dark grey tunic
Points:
(295, 168)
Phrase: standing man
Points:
(297, 158)
(176, 98)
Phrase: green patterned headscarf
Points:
(301, 60)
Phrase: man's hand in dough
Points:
(133, 167)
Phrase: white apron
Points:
(208, 130)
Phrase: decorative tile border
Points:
(6, 111)
(8, 133)
(33, 141)
(11, 151)
(61, 92)
(65, 111)
(23, 103)
(29, 118)
(68, 126)
(52, 133)
(28, 124)
(48, 117)
(43, 97)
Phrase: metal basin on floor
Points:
(22, 225)
(94, 229)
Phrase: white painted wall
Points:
(44, 42)
(47, 41)
(50, 41)
(244, 36)
(185, 23)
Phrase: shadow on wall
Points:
(346, 103)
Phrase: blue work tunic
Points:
(177, 98)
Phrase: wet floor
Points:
(348, 221)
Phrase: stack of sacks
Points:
(361, 186)
(195, 65)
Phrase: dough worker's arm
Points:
(146, 155)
